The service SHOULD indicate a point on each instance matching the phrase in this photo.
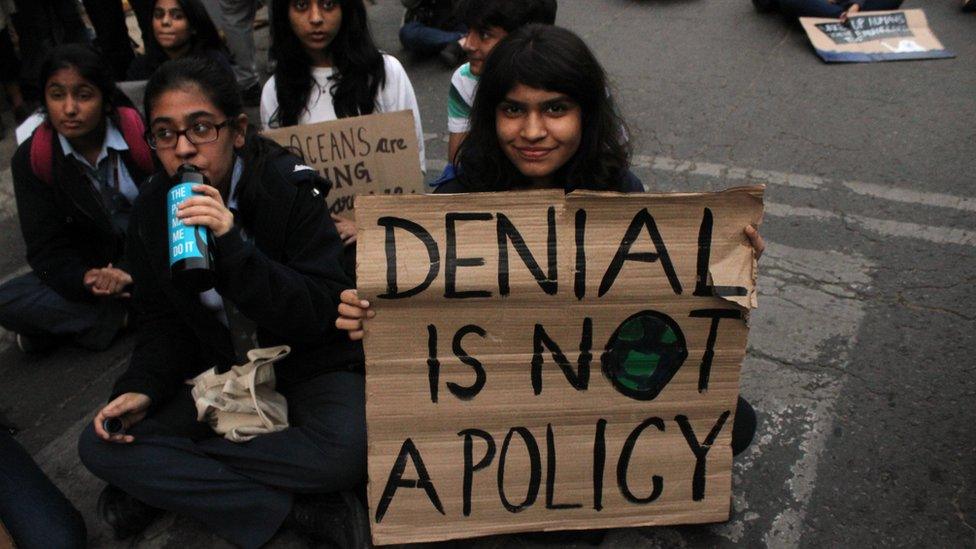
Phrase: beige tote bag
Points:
(242, 403)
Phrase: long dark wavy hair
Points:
(203, 34)
(359, 72)
(553, 59)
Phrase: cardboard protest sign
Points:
(546, 362)
(875, 36)
(373, 154)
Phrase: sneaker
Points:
(34, 344)
(252, 96)
(125, 514)
(338, 519)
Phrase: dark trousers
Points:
(111, 33)
(241, 491)
(30, 307)
(32, 509)
(424, 40)
(823, 8)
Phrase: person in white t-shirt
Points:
(328, 67)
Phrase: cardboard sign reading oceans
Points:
(374, 154)
(546, 362)
(875, 36)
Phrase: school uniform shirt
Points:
(464, 85)
(396, 95)
(66, 225)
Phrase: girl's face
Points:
(189, 110)
(75, 106)
(170, 25)
(315, 24)
(539, 130)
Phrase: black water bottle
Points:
(191, 261)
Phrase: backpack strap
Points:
(132, 128)
(41, 157)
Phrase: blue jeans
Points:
(241, 491)
(823, 8)
(425, 40)
(30, 307)
(32, 508)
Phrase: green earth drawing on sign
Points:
(643, 354)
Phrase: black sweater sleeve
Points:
(166, 352)
(296, 298)
(51, 253)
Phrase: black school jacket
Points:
(65, 225)
(286, 278)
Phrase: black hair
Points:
(218, 85)
(203, 34)
(359, 69)
(510, 15)
(553, 59)
(91, 65)
(214, 80)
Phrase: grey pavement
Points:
(860, 360)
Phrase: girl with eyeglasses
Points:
(328, 67)
(180, 28)
(277, 263)
(75, 181)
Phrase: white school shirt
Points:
(210, 298)
(111, 148)
(396, 95)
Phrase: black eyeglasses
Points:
(198, 134)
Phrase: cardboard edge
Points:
(858, 57)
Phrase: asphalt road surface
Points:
(860, 360)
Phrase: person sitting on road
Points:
(542, 119)
(328, 67)
(180, 28)
(75, 181)
(488, 21)
(277, 264)
(834, 9)
(430, 27)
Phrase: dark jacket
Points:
(65, 225)
(629, 183)
(286, 277)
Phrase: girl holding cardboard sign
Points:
(542, 119)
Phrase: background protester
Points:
(75, 181)
(180, 28)
(836, 9)
(236, 19)
(277, 257)
(42, 26)
(328, 67)
(487, 21)
(10, 66)
(430, 27)
(111, 34)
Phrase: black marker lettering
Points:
(461, 392)
(396, 480)
(535, 470)
(507, 232)
(551, 474)
(391, 264)
(452, 261)
(702, 287)
(580, 379)
(705, 370)
(470, 466)
(624, 462)
(700, 451)
(642, 219)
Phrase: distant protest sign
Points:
(875, 36)
(541, 361)
(374, 154)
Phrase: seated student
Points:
(430, 27)
(488, 21)
(542, 120)
(836, 9)
(328, 67)
(277, 257)
(32, 509)
(75, 181)
(180, 28)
